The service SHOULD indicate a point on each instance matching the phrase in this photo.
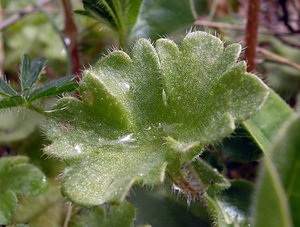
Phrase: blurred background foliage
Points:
(90, 30)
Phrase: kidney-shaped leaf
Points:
(131, 107)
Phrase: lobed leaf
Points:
(148, 112)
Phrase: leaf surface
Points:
(17, 177)
(139, 113)
(278, 187)
(231, 207)
(122, 215)
(161, 17)
(262, 127)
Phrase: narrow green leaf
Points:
(262, 127)
(131, 107)
(115, 215)
(5, 89)
(8, 203)
(30, 72)
(277, 194)
(36, 67)
(24, 72)
(102, 10)
(55, 87)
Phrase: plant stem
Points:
(1, 46)
(68, 215)
(71, 32)
(278, 58)
(14, 18)
(251, 33)
(213, 9)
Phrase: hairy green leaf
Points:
(142, 112)
(17, 177)
(277, 194)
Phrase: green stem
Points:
(213, 10)
(121, 20)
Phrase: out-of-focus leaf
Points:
(17, 123)
(20, 177)
(47, 209)
(112, 216)
(277, 201)
(267, 122)
(55, 87)
(8, 203)
(5, 89)
(161, 207)
(240, 147)
(160, 17)
(140, 113)
(18, 225)
(17, 177)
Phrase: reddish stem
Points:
(251, 33)
(70, 32)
